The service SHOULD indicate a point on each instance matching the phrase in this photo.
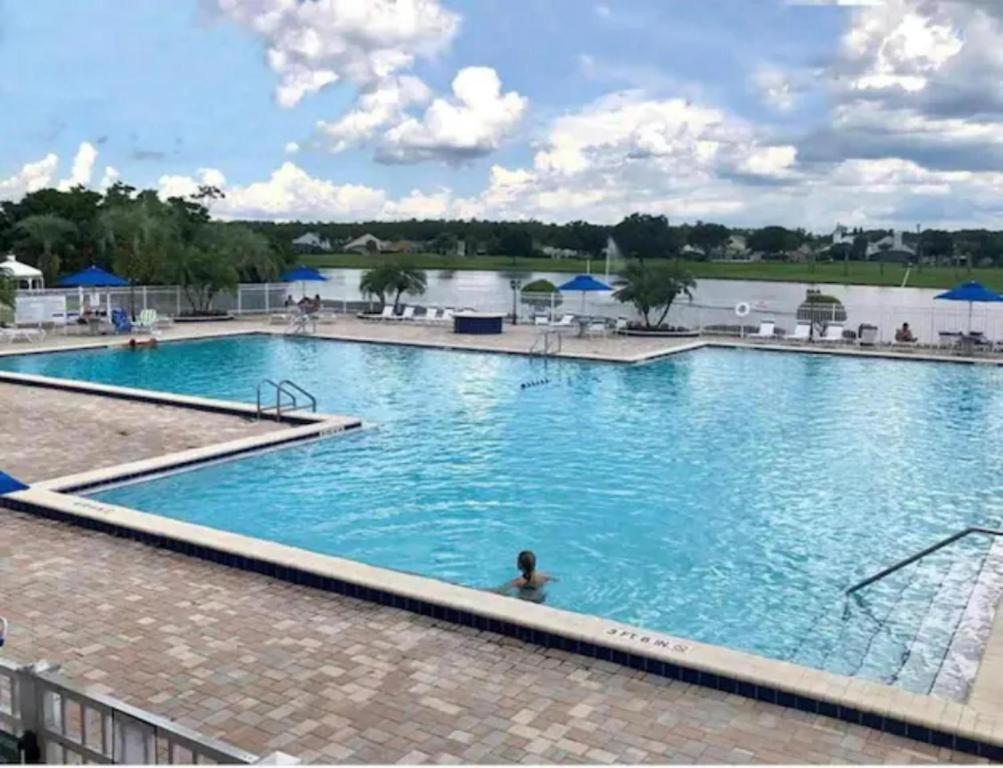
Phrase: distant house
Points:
(401, 246)
(693, 252)
(735, 249)
(553, 252)
(891, 248)
(311, 241)
(362, 244)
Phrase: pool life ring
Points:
(742, 309)
(136, 343)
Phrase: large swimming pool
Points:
(722, 495)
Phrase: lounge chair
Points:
(28, 334)
(566, 323)
(447, 317)
(431, 316)
(948, 339)
(387, 313)
(121, 321)
(407, 315)
(541, 320)
(767, 330)
(833, 334)
(146, 321)
(621, 325)
(802, 332)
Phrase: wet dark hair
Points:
(526, 563)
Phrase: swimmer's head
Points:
(526, 563)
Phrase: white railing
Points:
(72, 725)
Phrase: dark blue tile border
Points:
(598, 651)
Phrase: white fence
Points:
(57, 722)
(926, 318)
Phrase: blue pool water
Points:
(726, 496)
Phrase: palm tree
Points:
(46, 231)
(239, 246)
(137, 234)
(652, 287)
(395, 279)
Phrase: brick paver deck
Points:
(47, 433)
(267, 665)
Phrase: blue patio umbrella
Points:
(971, 292)
(584, 284)
(10, 484)
(303, 275)
(93, 277)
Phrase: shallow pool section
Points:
(722, 495)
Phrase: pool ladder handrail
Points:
(923, 553)
(546, 351)
(289, 389)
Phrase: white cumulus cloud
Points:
(383, 105)
(474, 122)
(310, 45)
(83, 167)
(31, 177)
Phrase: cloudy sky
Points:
(747, 112)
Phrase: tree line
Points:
(139, 237)
(149, 240)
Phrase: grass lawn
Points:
(859, 273)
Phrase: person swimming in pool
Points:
(530, 584)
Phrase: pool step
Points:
(930, 644)
(895, 633)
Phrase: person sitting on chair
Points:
(904, 334)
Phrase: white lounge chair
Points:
(833, 334)
(431, 316)
(447, 317)
(566, 323)
(146, 321)
(408, 314)
(387, 313)
(541, 320)
(28, 334)
(767, 330)
(621, 325)
(802, 332)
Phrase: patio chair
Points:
(447, 317)
(11, 335)
(833, 334)
(596, 328)
(121, 321)
(566, 323)
(767, 330)
(387, 313)
(541, 320)
(802, 332)
(621, 325)
(431, 317)
(146, 321)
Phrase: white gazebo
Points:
(23, 275)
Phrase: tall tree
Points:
(643, 236)
(43, 232)
(138, 234)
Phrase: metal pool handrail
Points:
(919, 555)
(285, 385)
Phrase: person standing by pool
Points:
(530, 585)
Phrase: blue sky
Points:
(741, 111)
